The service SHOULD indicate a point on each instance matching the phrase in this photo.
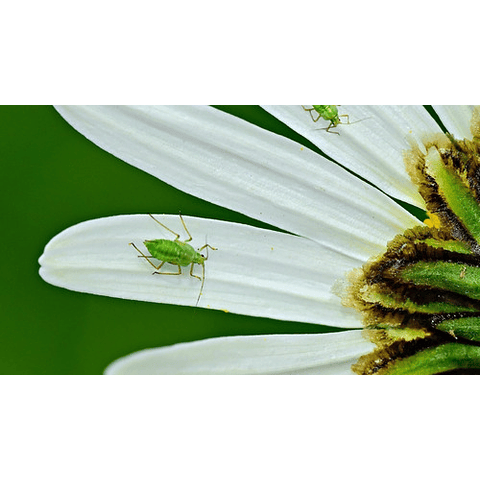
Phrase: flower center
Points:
(420, 300)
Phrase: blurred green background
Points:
(54, 178)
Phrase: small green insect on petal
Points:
(172, 251)
(329, 113)
(175, 252)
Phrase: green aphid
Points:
(175, 252)
(327, 112)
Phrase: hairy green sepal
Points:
(467, 327)
(444, 358)
(454, 277)
(454, 189)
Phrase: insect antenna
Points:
(201, 286)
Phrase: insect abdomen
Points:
(170, 251)
(327, 112)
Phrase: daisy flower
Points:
(337, 214)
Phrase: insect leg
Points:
(167, 273)
(310, 110)
(164, 226)
(185, 227)
(191, 272)
(144, 256)
(329, 127)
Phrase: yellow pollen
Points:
(432, 221)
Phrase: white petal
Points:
(456, 119)
(372, 147)
(254, 271)
(328, 353)
(233, 163)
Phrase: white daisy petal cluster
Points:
(336, 222)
